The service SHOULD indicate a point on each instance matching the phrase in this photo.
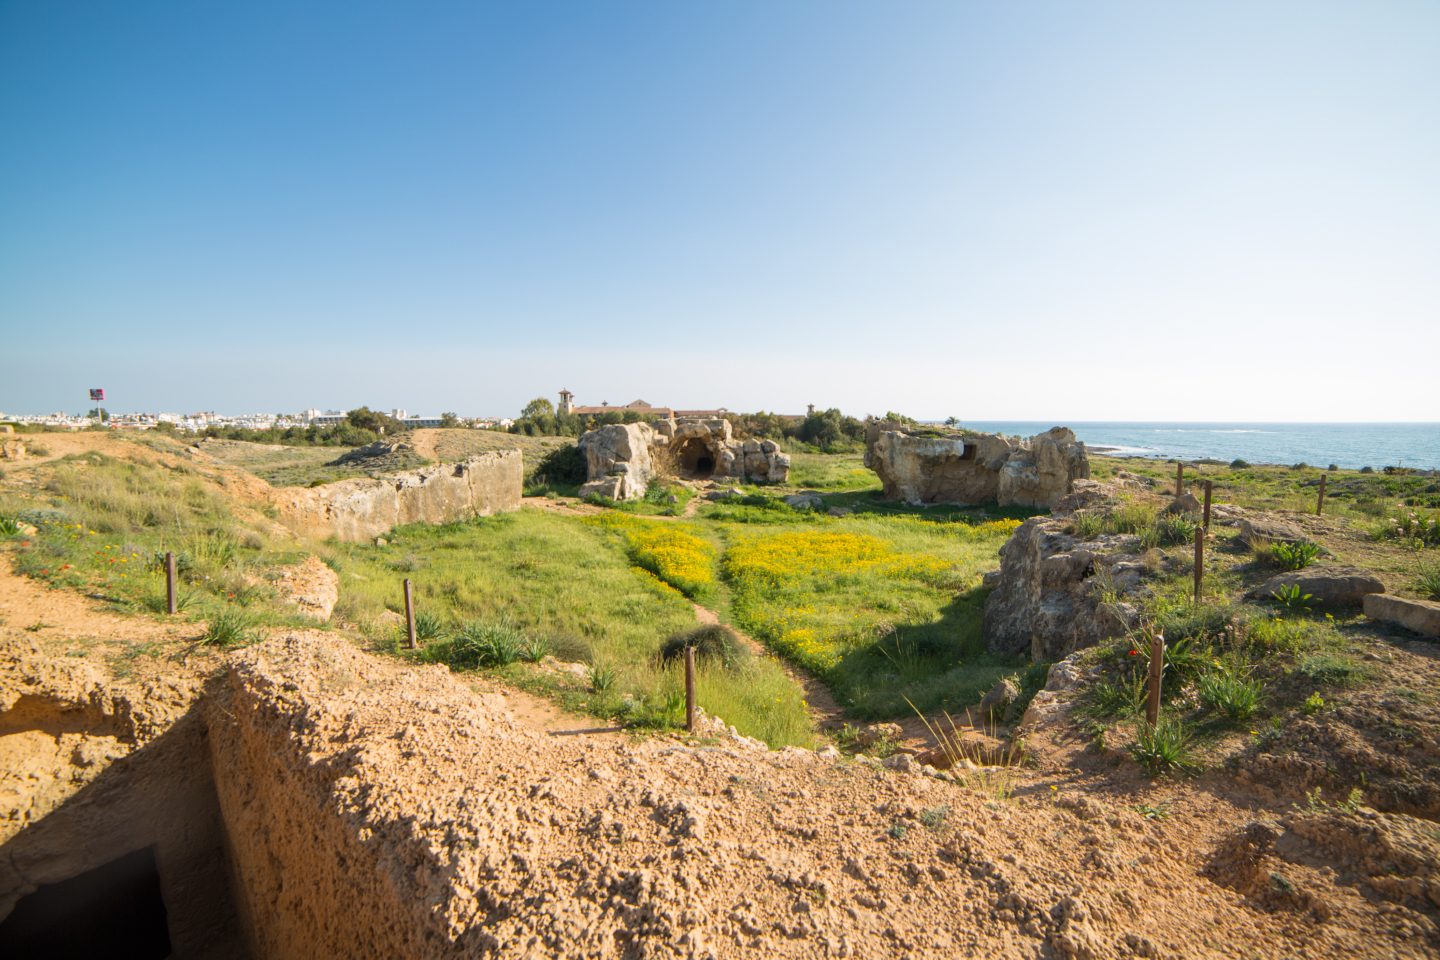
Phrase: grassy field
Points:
(579, 587)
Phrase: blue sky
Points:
(1047, 211)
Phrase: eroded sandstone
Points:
(974, 468)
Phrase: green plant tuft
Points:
(1163, 748)
(712, 641)
(228, 628)
(1238, 698)
(1292, 599)
(1294, 556)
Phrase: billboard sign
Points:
(97, 394)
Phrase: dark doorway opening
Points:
(697, 461)
(112, 911)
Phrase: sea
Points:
(1349, 446)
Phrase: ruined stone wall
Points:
(974, 468)
(353, 510)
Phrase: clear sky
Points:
(1052, 211)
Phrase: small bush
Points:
(1427, 584)
(534, 648)
(1367, 469)
(227, 628)
(1294, 556)
(1314, 704)
(1292, 599)
(9, 526)
(1332, 468)
(1177, 528)
(1237, 698)
(1238, 464)
(564, 465)
(429, 626)
(1163, 748)
(712, 641)
(602, 678)
(495, 644)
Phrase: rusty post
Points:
(409, 617)
(1179, 480)
(1199, 559)
(1157, 666)
(690, 689)
(1208, 485)
(171, 607)
(1320, 501)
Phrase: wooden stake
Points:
(1199, 559)
(410, 617)
(1320, 501)
(171, 606)
(690, 689)
(1208, 485)
(1157, 666)
(1179, 479)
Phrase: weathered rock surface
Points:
(703, 447)
(617, 460)
(1421, 616)
(354, 510)
(1050, 593)
(311, 586)
(12, 449)
(1276, 531)
(975, 468)
(1329, 584)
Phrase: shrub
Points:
(227, 628)
(1088, 525)
(1238, 698)
(429, 626)
(1332, 468)
(712, 641)
(493, 644)
(1294, 556)
(1238, 464)
(1163, 748)
(1177, 528)
(534, 648)
(564, 465)
(1292, 599)
(1367, 469)
(1427, 584)
(602, 678)
(1314, 704)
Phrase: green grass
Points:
(571, 583)
(884, 610)
(813, 471)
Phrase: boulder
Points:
(1047, 598)
(1276, 531)
(1185, 504)
(973, 468)
(12, 449)
(1000, 696)
(1419, 616)
(840, 511)
(873, 733)
(805, 500)
(618, 450)
(1329, 584)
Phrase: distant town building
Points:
(567, 405)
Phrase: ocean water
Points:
(1348, 445)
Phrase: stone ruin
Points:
(622, 459)
(360, 509)
(970, 468)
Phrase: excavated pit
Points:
(111, 841)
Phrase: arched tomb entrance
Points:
(695, 459)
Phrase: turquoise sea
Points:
(1348, 445)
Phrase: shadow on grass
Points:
(871, 501)
(937, 665)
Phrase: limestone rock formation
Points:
(617, 460)
(1421, 616)
(973, 468)
(12, 449)
(703, 448)
(622, 459)
(1329, 584)
(1055, 594)
(355, 510)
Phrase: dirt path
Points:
(825, 712)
